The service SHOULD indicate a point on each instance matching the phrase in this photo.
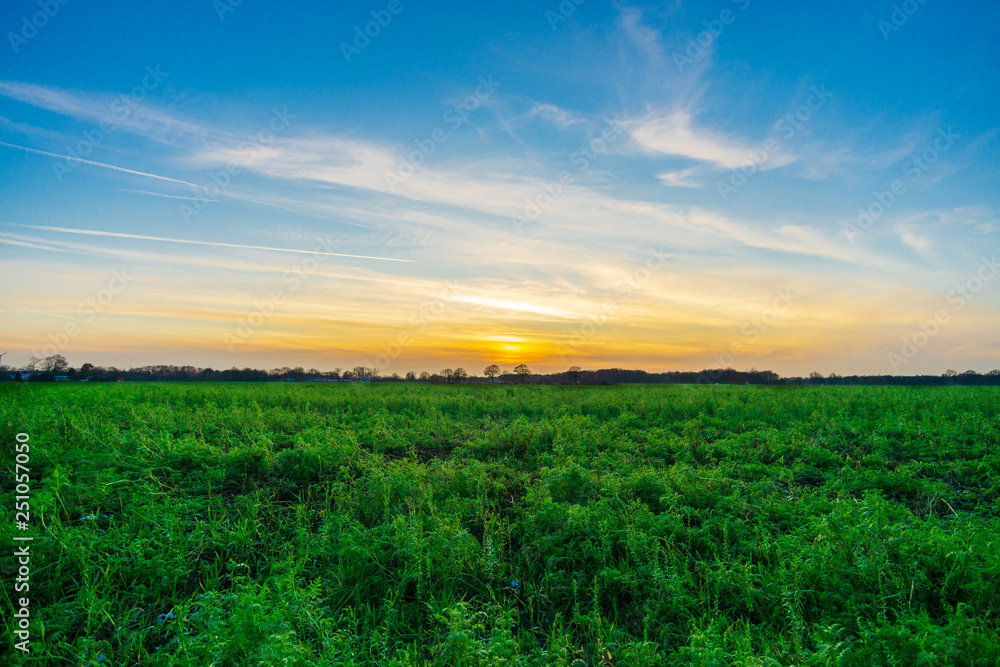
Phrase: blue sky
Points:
(665, 186)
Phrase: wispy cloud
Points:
(142, 237)
(681, 179)
(647, 39)
(139, 117)
(9, 125)
(64, 317)
(920, 245)
(160, 194)
(561, 117)
(675, 133)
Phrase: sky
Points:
(410, 185)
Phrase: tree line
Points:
(56, 367)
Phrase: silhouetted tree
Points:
(459, 374)
(55, 363)
(491, 371)
(574, 373)
(522, 372)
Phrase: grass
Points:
(406, 524)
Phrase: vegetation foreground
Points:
(273, 524)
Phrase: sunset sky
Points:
(667, 186)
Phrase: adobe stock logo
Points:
(752, 330)
(31, 25)
(914, 167)
(901, 13)
(223, 178)
(962, 294)
(625, 289)
(88, 310)
(553, 190)
(785, 127)
(122, 107)
(700, 44)
(566, 9)
(456, 116)
(426, 314)
(363, 36)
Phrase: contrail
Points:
(160, 194)
(71, 319)
(292, 210)
(100, 164)
(174, 180)
(89, 232)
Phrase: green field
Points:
(406, 524)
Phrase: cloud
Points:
(71, 319)
(557, 115)
(644, 37)
(160, 194)
(680, 179)
(921, 246)
(128, 112)
(9, 125)
(74, 160)
(141, 237)
(674, 133)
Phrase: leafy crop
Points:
(403, 524)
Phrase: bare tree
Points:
(574, 373)
(410, 376)
(54, 364)
(459, 374)
(447, 374)
(491, 371)
(424, 375)
(360, 372)
(522, 372)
